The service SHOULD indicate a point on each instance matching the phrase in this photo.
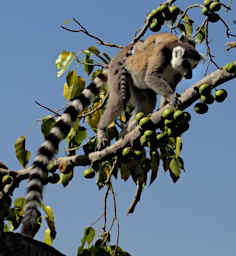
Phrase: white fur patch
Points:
(58, 133)
(33, 182)
(77, 105)
(42, 158)
(67, 119)
(31, 203)
(37, 171)
(177, 56)
(48, 145)
(88, 94)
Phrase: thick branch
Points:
(190, 95)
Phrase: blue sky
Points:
(196, 216)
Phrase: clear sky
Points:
(194, 217)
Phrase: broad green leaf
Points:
(94, 50)
(22, 154)
(174, 168)
(124, 172)
(188, 23)
(76, 137)
(47, 237)
(93, 119)
(6, 228)
(201, 34)
(63, 62)
(74, 85)
(89, 234)
(66, 178)
(19, 202)
(48, 123)
(155, 161)
(178, 146)
(101, 177)
(88, 65)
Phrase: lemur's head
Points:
(185, 58)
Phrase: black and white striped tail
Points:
(124, 78)
(49, 148)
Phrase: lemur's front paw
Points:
(177, 100)
(102, 140)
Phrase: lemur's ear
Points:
(187, 39)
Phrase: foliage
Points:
(158, 146)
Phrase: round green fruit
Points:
(205, 11)
(187, 116)
(89, 173)
(209, 99)
(155, 26)
(207, 3)
(143, 141)
(126, 151)
(205, 89)
(139, 116)
(215, 6)
(213, 17)
(138, 154)
(230, 67)
(178, 115)
(168, 122)
(146, 123)
(7, 179)
(168, 113)
(148, 134)
(201, 108)
(161, 136)
(54, 178)
(220, 95)
(174, 10)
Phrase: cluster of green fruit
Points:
(210, 8)
(161, 14)
(207, 98)
(174, 123)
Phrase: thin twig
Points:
(185, 12)
(50, 110)
(105, 208)
(227, 28)
(85, 31)
(230, 45)
(137, 197)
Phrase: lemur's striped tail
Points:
(49, 148)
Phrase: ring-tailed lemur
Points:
(154, 66)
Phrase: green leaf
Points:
(47, 237)
(94, 50)
(66, 178)
(74, 85)
(178, 146)
(76, 137)
(188, 23)
(22, 154)
(48, 123)
(63, 62)
(155, 162)
(101, 177)
(88, 65)
(201, 34)
(89, 234)
(175, 167)
(124, 171)
(19, 202)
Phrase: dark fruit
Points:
(220, 95)
(89, 173)
(205, 89)
(168, 113)
(201, 108)
(209, 99)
